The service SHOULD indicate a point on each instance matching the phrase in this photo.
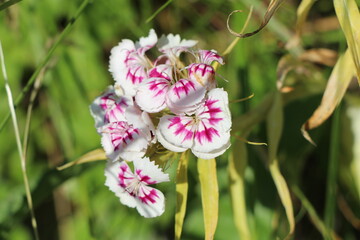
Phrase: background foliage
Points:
(75, 204)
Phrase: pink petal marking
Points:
(121, 133)
(158, 87)
(205, 135)
(212, 111)
(183, 86)
(147, 196)
(180, 128)
(208, 57)
(113, 106)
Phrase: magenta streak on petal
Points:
(212, 111)
(131, 74)
(122, 178)
(203, 69)
(144, 178)
(154, 87)
(184, 88)
(206, 135)
(149, 197)
(121, 134)
(180, 128)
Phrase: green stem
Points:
(330, 200)
(33, 77)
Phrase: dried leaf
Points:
(95, 155)
(323, 56)
(274, 130)
(334, 92)
(273, 6)
(209, 195)
(349, 17)
(181, 193)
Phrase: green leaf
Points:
(209, 195)
(274, 130)
(182, 186)
(237, 164)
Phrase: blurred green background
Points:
(75, 204)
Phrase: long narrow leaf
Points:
(349, 17)
(7, 4)
(209, 195)
(274, 130)
(237, 165)
(95, 155)
(181, 193)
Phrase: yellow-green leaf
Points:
(237, 165)
(181, 193)
(95, 155)
(334, 92)
(209, 195)
(349, 17)
(274, 130)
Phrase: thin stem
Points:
(330, 200)
(18, 143)
(33, 77)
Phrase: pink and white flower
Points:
(202, 72)
(162, 90)
(133, 188)
(206, 133)
(128, 63)
(130, 138)
(109, 107)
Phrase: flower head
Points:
(133, 187)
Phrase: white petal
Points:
(215, 109)
(112, 172)
(151, 95)
(149, 41)
(151, 202)
(145, 167)
(184, 96)
(175, 132)
(210, 146)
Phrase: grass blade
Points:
(274, 130)
(94, 155)
(332, 175)
(349, 17)
(19, 146)
(33, 77)
(209, 195)
(158, 11)
(7, 4)
(181, 193)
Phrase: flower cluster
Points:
(194, 114)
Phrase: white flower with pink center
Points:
(162, 90)
(128, 63)
(109, 107)
(127, 139)
(206, 133)
(203, 72)
(133, 187)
